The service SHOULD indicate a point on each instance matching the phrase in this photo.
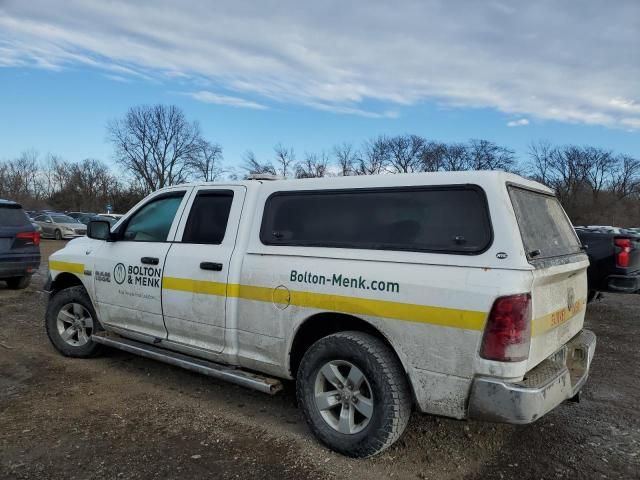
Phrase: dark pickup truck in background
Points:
(614, 256)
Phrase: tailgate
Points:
(559, 286)
(558, 301)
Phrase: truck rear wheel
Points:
(70, 321)
(354, 393)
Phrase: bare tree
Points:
(285, 159)
(540, 161)
(313, 166)
(20, 177)
(405, 153)
(205, 163)
(373, 158)
(486, 155)
(600, 165)
(455, 157)
(568, 172)
(346, 157)
(432, 156)
(155, 144)
(253, 166)
(626, 177)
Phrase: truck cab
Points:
(460, 294)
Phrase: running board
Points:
(211, 369)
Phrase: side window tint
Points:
(448, 219)
(208, 218)
(153, 221)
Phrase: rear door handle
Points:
(216, 267)
(150, 260)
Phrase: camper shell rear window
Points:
(443, 219)
(544, 227)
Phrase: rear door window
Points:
(545, 229)
(450, 219)
(208, 218)
(11, 216)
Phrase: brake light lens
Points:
(29, 237)
(507, 334)
(622, 258)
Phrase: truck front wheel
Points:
(70, 322)
(354, 393)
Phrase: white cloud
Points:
(210, 97)
(566, 61)
(521, 122)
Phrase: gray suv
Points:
(19, 246)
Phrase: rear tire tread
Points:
(393, 373)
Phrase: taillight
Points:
(622, 258)
(508, 331)
(30, 237)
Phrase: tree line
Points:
(156, 146)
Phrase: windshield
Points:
(544, 227)
(63, 219)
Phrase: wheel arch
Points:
(320, 325)
(65, 280)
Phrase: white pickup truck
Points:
(458, 294)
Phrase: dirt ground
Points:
(120, 416)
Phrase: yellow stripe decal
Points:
(442, 316)
(195, 286)
(66, 267)
(447, 317)
(552, 320)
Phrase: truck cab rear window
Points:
(544, 227)
(435, 219)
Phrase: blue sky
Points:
(309, 77)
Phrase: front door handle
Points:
(216, 267)
(150, 260)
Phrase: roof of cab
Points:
(389, 180)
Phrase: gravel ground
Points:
(120, 416)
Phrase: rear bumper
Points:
(623, 283)
(555, 380)
(19, 268)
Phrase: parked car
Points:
(105, 218)
(82, 217)
(614, 259)
(19, 246)
(115, 216)
(60, 226)
(460, 294)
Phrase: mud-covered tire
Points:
(18, 283)
(69, 299)
(385, 379)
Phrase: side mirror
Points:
(48, 220)
(99, 230)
